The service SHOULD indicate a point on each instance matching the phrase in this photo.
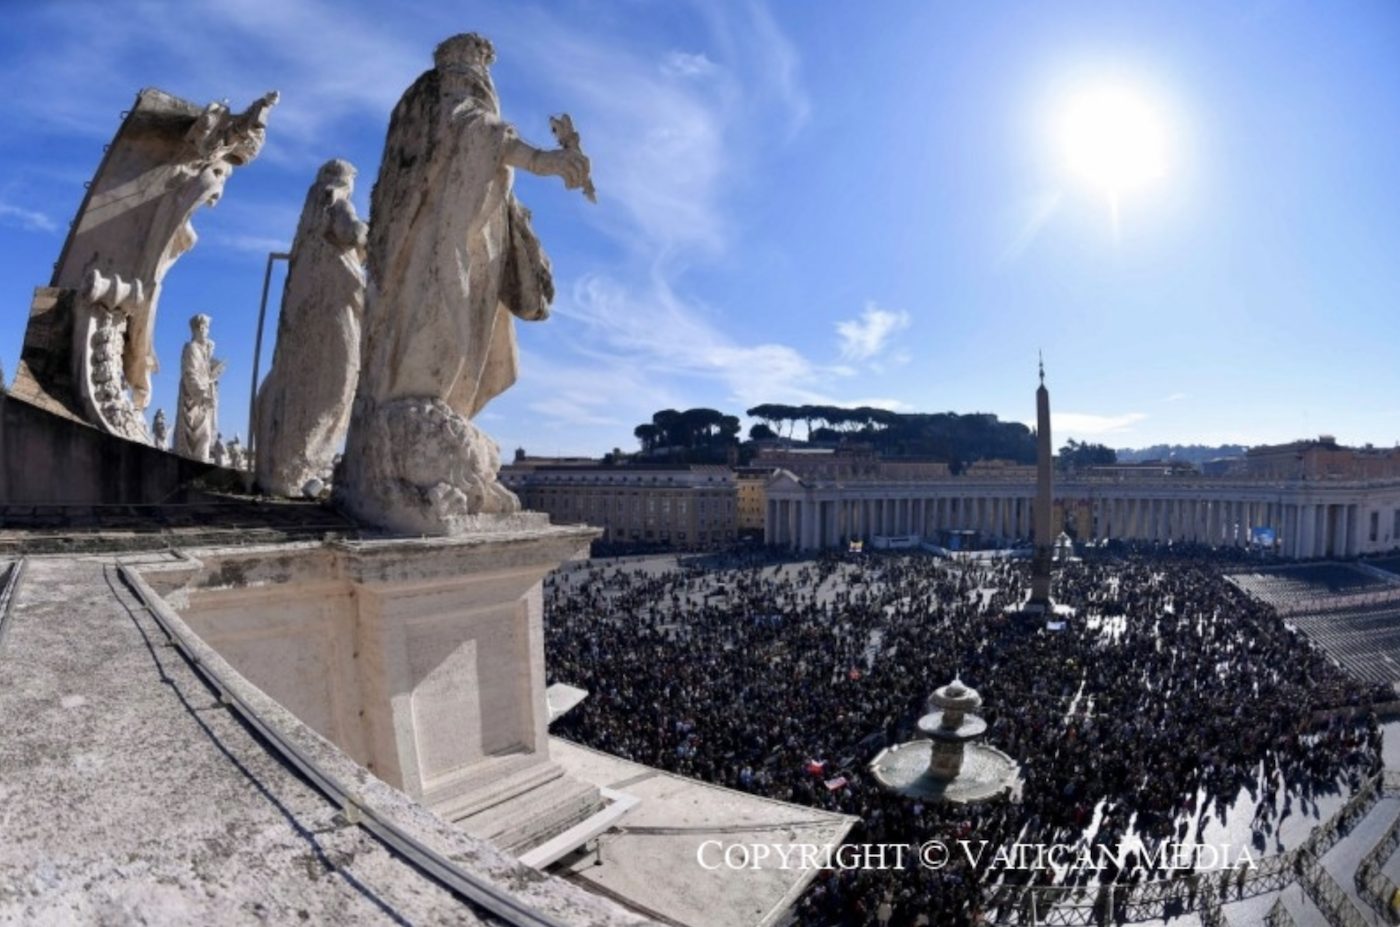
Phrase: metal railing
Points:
(1278, 916)
(1375, 887)
(1203, 891)
(7, 593)
(1328, 894)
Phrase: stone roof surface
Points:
(130, 794)
(650, 859)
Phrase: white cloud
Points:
(28, 219)
(328, 61)
(864, 338)
(573, 411)
(754, 36)
(1174, 397)
(1067, 425)
(661, 148)
(252, 244)
(657, 331)
(686, 64)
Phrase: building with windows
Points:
(847, 462)
(1322, 459)
(751, 498)
(685, 506)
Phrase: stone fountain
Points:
(950, 764)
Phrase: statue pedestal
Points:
(450, 635)
(423, 659)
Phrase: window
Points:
(1375, 525)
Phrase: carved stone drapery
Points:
(168, 158)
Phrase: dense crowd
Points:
(779, 678)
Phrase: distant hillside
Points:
(1191, 453)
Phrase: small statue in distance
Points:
(196, 421)
(159, 429)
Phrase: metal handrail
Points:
(1327, 894)
(1061, 904)
(1278, 916)
(7, 593)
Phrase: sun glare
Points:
(1113, 139)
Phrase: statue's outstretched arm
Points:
(570, 164)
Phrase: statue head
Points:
(336, 171)
(199, 326)
(465, 50)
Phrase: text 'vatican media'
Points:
(935, 854)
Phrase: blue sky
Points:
(812, 202)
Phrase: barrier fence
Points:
(1205, 892)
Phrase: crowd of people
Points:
(1168, 694)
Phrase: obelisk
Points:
(1044, 534)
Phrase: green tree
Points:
(762, 431)
(646, 434)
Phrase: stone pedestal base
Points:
(423, 659)
(415, 466)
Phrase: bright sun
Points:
(1113, 139)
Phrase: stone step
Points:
(534, 816)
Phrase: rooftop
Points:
(131, 792)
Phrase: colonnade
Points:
(810, 518)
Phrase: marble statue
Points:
(218, 453)
(451, 258)
(198, 411)
(303, 407)
(159, 429)
(237, 459)
(169, 158)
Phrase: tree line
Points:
(708, 435)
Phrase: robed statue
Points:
(451, 259)
(197, 413)
(303, 407)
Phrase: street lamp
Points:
(257, 355)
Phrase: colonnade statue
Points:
(196, 416)
(451, 258)
(303, 407)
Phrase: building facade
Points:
(682, 506)
(1322, 459)
(751, 498)
(847, 462)
(1309, 518)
